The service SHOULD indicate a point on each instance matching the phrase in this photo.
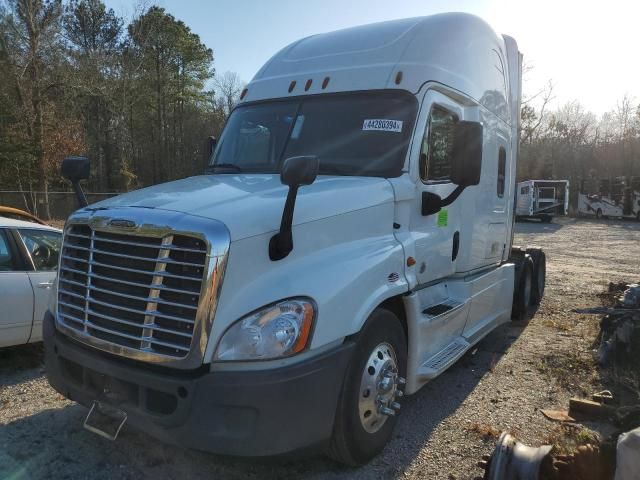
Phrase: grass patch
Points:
(486, 432)
(566, 438)
(570, 369)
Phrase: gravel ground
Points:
(443, 430)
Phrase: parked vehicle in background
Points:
(17, 214)
(209, 314)
(613, 198)
(542, 199)
(28, 263)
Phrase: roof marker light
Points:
(292, 85)
(307, 85)
(398, 77)
(325, 82)
(244, 93)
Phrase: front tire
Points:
(599, 214)
(368, 404)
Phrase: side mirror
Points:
(466, 162)
(75, 169)
(213, 141)
(296, 172)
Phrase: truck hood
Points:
(252, 204)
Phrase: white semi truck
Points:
(210, 313)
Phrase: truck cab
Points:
(350, 240)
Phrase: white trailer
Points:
(542, 199)
(615, 198)
(209, 314)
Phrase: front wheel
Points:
(369, 401)
(599, 214)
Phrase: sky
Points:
(588, 49)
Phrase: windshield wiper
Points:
(223, 166)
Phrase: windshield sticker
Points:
(382, 125)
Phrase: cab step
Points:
(443, 309)
(442, 360)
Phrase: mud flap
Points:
(105, 420)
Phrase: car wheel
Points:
(368, 405)
(599, 214)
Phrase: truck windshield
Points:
(365, 134)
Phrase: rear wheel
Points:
(599, 214)
(368, 404)
(522, 295)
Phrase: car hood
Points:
(252, 204)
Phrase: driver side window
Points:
(437, 143)
(43, 246)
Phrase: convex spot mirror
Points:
(75, 169)
(466, 162)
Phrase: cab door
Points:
(16, 294)
(437, 236)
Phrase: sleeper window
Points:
(502, 165)
(435, 153)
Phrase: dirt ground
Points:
(443, 430)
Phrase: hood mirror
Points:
(75, 169)
(296, 172)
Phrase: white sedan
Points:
(28, 263)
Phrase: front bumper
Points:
(244, 413)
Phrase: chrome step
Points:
(442, 309)
(442, 360)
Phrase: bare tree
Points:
(228, 87)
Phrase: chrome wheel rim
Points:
(378, 388)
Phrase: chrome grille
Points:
(136, 291)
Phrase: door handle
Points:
(45, 284)
(456, 246)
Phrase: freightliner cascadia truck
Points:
(350, 239)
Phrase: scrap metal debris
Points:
(620, 326)
(618, 455)
(628, 456)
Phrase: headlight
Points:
(275, 331)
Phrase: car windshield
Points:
(364, 134)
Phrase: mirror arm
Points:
(452, 196)
(281, 243)
(80, 196)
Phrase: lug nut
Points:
(401, 381)
(387, 411)
(399, 393)
(395, 406)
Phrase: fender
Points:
(349, 264)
